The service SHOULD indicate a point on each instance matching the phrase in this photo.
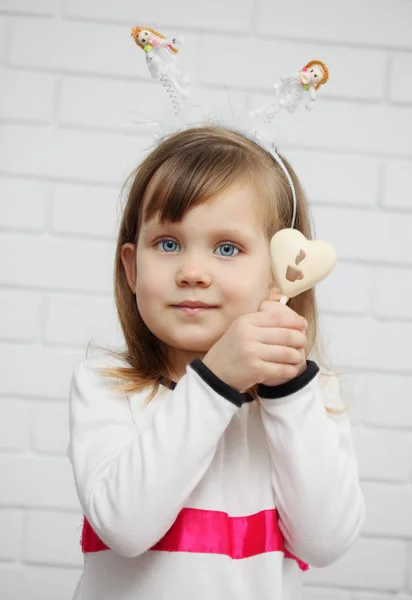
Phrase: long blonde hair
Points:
(184, 170)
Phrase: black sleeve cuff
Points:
(219, 386)
(292, 386)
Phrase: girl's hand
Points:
(268, 306)
(264, 347)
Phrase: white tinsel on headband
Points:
(289, 92)
(191, 114)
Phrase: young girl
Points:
(207, 460)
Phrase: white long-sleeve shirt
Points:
(204, 494)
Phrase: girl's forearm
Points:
(314, 475)
(133, 479)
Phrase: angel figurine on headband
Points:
(292, 89)
(161, 57)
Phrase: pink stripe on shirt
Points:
(213, 532)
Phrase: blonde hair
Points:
(325, 71)
(185, 170)
(135, 34)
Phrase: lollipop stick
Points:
(284, 300)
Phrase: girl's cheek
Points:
(147, 263)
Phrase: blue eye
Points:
(227, 249)
(167, 245)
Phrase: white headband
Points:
(161, 54)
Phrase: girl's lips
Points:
(194, 304)
(189, 310)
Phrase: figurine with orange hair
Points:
(161, 57)
(291, 90)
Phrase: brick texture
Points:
(75, 90)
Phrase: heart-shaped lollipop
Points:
(298, 263)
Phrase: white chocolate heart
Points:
(298, 263)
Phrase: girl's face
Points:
(218, 255)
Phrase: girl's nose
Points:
(191, 274)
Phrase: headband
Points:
(298, 263)
(161, 58)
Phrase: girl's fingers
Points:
(278, 315)
(280, 337)
(279, 354)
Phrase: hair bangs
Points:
(192, 176)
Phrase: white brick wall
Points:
(71, 79)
